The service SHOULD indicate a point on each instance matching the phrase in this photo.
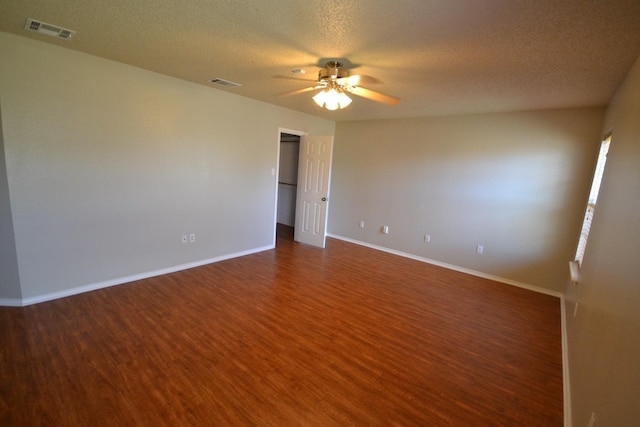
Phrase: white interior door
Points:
(312, 201)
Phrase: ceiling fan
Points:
(335, 82)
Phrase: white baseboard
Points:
(15, 302)
(565, 356)
(121, 280)
(452, 267)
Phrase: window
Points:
(593, 198)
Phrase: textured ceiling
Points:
(440, 57)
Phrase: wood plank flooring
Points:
(296, 336)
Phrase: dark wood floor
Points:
(296, 336)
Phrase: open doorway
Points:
(304, 172)
(287, 184)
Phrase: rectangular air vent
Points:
(223, 82)
(48, 29)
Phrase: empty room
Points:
(287, 213)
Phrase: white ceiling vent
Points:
(48, 29)
(223, 82)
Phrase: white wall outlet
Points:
(184, 238)
(192, 237)
(361, 223)
(385, 229)
(427, 238)
(479, 249)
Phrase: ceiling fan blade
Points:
(297, 91)
(356, 80)
(375, 96)
(350, 81)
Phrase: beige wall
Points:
(514, 183)
(109, 165)
(604, 337)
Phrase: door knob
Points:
(324, 199)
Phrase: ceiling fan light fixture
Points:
(332, 99)
(320, 97)
(344, 100)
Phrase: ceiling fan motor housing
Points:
(332, 71)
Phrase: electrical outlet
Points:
(427, 238)
(479, 249)
(192, 237)
(184, 238)
(361, 223)
(385, 229)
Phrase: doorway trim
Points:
(281, 130)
